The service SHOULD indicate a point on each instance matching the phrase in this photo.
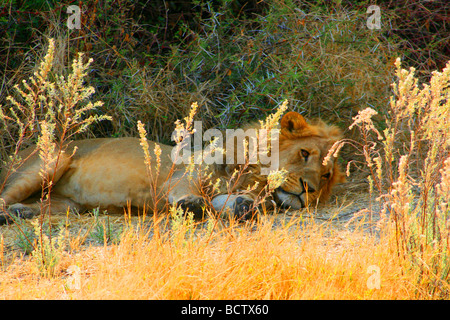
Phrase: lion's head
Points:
(302, 149)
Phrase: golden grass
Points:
(287, 262)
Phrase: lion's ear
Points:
(293, 121)
(294, 125)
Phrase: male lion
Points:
(111, 173)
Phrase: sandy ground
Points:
(351, 206)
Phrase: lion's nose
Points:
(306, 186)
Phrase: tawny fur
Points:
(111, 173)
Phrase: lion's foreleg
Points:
(26, 181)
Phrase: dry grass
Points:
(236, 263)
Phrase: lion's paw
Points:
(193, 204)
(14, 212)
(244, 209)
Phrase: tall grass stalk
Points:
(49, 109)
(408, 165)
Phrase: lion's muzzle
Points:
(288, 199)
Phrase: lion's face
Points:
(303, 148)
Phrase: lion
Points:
(111, 174)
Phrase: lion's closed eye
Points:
(326, 176)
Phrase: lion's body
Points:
(111, 173)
